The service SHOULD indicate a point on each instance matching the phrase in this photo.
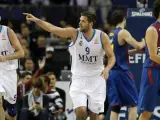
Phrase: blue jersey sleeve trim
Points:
(0, 28)
(101, 40)
(8, 37)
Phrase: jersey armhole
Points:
(8, 36)
(101, 39)
(73, 42)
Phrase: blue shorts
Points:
(121, 87)
(150, 84)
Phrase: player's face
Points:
(52, 81)
(84, 24)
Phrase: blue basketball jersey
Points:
(120, 51)
(148, 62)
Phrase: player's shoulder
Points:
(151, 29)
(98, 31)
(123, 32)
(4, 26)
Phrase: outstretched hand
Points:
(30, 17)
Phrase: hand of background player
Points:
(30, 17)
(105, 73)
(3, 58)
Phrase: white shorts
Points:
(91, 88)
(8, 85)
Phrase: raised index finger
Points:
(26, 14)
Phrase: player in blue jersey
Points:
(150, 80)
(121, 85)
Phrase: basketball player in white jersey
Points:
(10, 51)
(87, 50)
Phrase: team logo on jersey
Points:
(3, 37)
(111, 34)
(80, 43)
(86, 59)
(96, 41)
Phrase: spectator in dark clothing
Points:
(56, 103)
(27, 79)
(62, 93)
(35, 104)
(29, 65)
(41, 47)
(52, 65)
(26, 84)
(26, 34)
(37, 31)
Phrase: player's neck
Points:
(89, 33)
(120, 25)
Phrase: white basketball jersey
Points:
(7, 49)
(87, 55)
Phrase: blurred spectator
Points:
(29, 65)
(37, 31)
(9, 1)
(24, 43)
(104, 5)
(142, 3)
(23, 60)
(49, 52)
(82, 3)
(40, 2)
(59, 1)
(19, 36)
(41, 47)
(27, 53)
(25, 1)
(10, 24)
(35, 105)
(41, 41)
(62, 93)
(25, 32)
(56, 103)
(51, 64)
(25, 85)
(25, 78)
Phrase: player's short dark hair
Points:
(117, 17)
(156, 8)
(90, 16)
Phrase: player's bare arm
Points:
(69, 32)
(19, 53)
(109, 53)
(151, 40)
(127, 37)
(135, 51)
